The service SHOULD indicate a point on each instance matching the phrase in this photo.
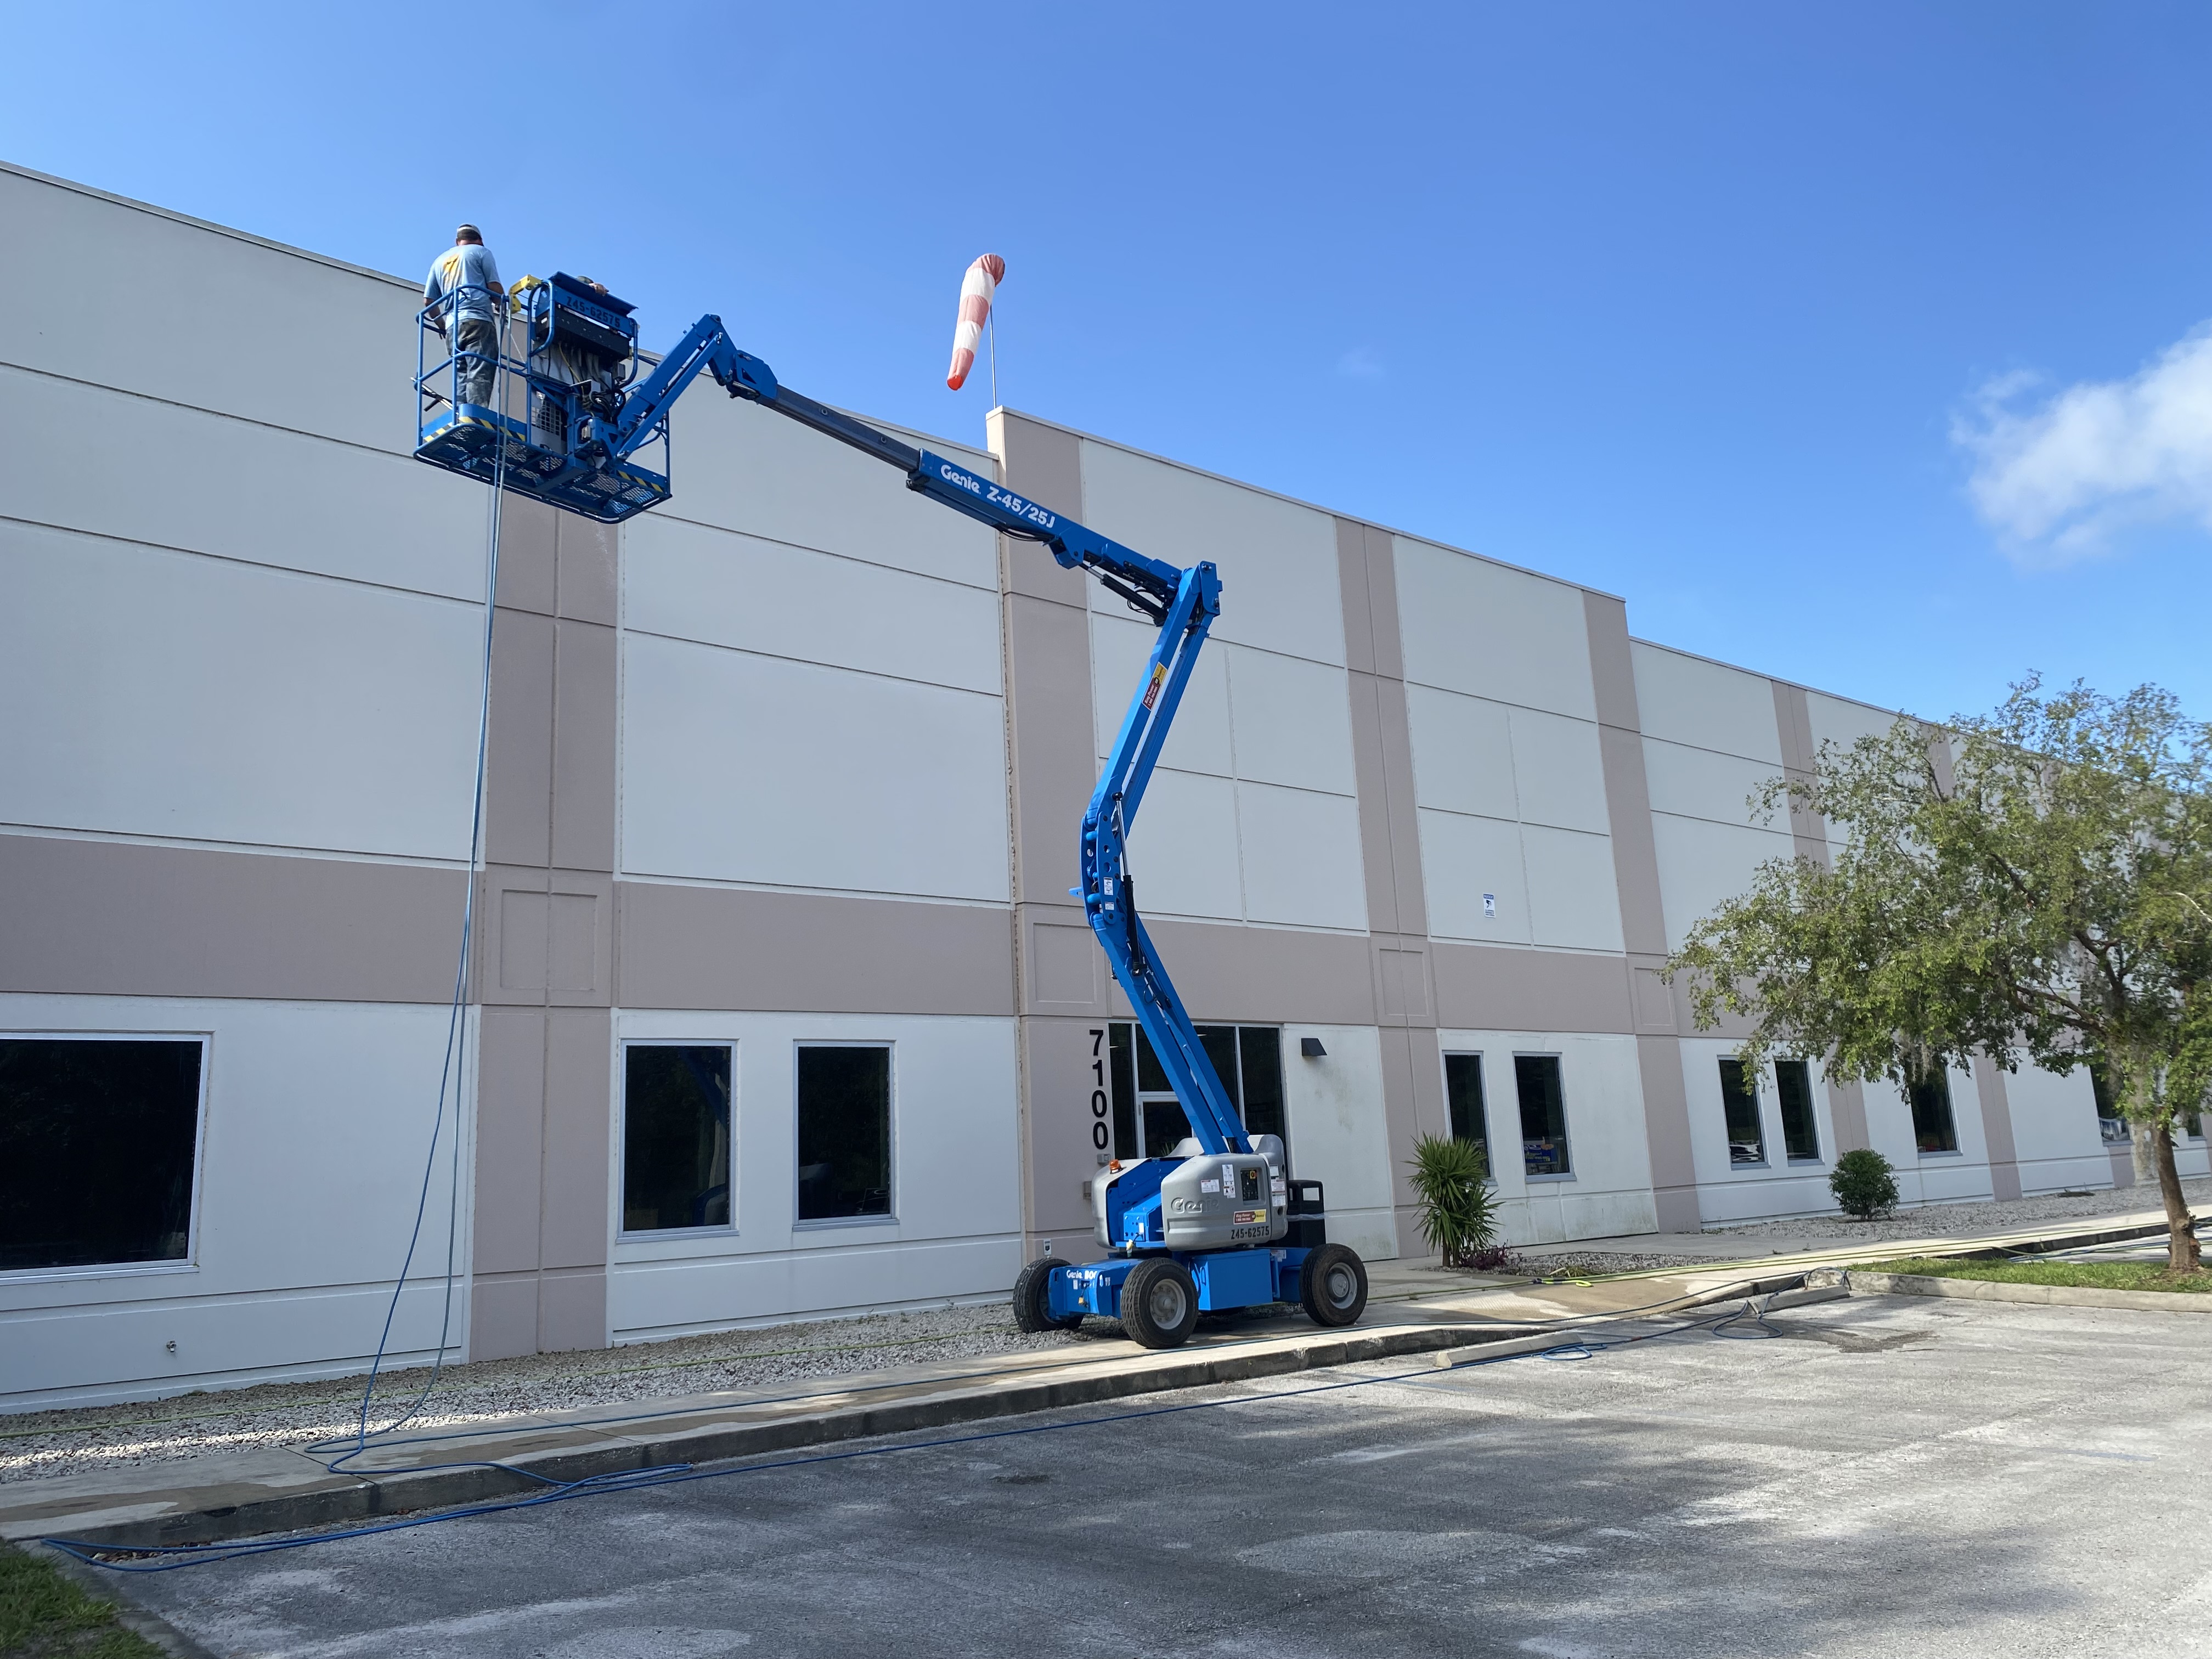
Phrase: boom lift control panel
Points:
(1218, 1224)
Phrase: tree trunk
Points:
(2182, 1255)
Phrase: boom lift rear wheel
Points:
(1159, 1303)
(1333, 1285)
(1032, 1309)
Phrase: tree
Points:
(2033, 884)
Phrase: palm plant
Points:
(1459, 1211)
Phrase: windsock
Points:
(976, 288)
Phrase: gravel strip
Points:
(1938, 1220)
(70, 1441)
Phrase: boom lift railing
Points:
(602, 430)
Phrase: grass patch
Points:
(2087, 1275)
(44, 1615)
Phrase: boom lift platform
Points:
(1215, 1225)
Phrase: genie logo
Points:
(967, 481)
(1013, 506)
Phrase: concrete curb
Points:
(1979, 1289)
(328, 1500)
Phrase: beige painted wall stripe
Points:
(105, 918)
(1059, 981)
(1643, 916)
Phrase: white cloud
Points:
(2058, 476)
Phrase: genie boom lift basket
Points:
(567, 351)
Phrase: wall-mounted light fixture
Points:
(1311, 1049)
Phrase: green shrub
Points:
(1458, 1212)
(1864, 1184)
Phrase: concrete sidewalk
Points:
(1414, 1308)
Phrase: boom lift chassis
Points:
(1215, 1225)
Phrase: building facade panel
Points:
(1686, 699)
(284, 1263)
(726, 776)
(233, 487)
(1489, 630)
(687, 581)
(1277, 560)
(230, 704)
(952, 1223)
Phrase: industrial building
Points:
(781, 1005)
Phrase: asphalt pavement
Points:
(1886, 1476)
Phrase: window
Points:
(676, 1137)
(2111, 1125)
(1543, 1114)
(1800, 1129)
(1258, 1088)
(844, 1132)
(1932, 1126)
(98, 1141)
(1740, 1109)
(1463, 1099)
(1149, 1120)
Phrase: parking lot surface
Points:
(1887, 1476)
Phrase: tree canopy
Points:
(2035, 884)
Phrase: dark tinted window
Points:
(676, 1137)
(1463, 1099)
(844, 1133)
(1122, 1066)
(1543, 1114)
(1740, 1107)
(1801, 1129)
(1165, 1128)
(1260, 1055)
(2111, 1127)
(1932, 1126)
(1248, 1058)
(97, 1143)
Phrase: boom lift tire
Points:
(1159, 1303)
(1333, 1285)
(1032, 1311)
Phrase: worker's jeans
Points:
(476, 344)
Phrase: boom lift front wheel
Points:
(1333, 1285)
(1032, 1303)
(1159, 1303)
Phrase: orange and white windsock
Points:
(976, 288)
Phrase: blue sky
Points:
(1853, 343)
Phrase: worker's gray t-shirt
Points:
(464, 265)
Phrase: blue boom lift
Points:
(1217, 1225)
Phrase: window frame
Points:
(189, 1261)
(1566, 1137)
(662, 1235)
(1813, 1115)
(1140, 1097)
(1751, 1081)
(1940, 1076)
(1481, 1103)
(890, 1214)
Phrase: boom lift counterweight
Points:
(1218, 1224)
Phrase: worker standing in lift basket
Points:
(468, 275)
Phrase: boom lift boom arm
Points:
(1182, 604)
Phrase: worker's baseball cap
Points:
(462, 232)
